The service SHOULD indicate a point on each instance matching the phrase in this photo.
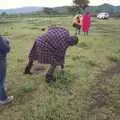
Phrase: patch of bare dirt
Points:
(100, 96)
(38, 69)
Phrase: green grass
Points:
(89, 89)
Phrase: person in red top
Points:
(86, 23)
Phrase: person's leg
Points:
(79, 30)
(77, 27)
(84, 33)
(87, 33)
(2, 80)
(4, 99)
(28, 67)
(62, 66)
(74, 26)
(76, 31)
(49, 75)
(62, 69)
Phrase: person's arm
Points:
(4, 45)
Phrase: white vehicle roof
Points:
(103, 13)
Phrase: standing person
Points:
(77, 23)
(50, 48)
(81, 19)
(4, 49)
(86, 22)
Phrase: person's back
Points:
(55, 37)
(81, 19)
(76, 20)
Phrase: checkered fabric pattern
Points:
(50, 48)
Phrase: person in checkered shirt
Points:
(50, 48)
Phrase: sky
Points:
(6, 4)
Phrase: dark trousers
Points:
(3, 67)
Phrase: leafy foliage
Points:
(81, 3)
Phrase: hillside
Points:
(21, 10)
(105, 7)
(62, 10)
(93, 9)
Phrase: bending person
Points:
(77, 23)
(50, 48)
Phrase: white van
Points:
(103, 15)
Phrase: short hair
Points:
(73, 40)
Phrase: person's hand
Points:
(42, 29)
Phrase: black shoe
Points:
(50, 78)
(27, 72)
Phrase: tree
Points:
(78, 4)
(4, 13)
(49, 11)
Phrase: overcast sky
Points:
(5, 4)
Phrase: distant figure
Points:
(50, 48)
(77, 23)
(86, 22)
(4, 49)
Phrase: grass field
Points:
(90, 88)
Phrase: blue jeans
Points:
(3, 67)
